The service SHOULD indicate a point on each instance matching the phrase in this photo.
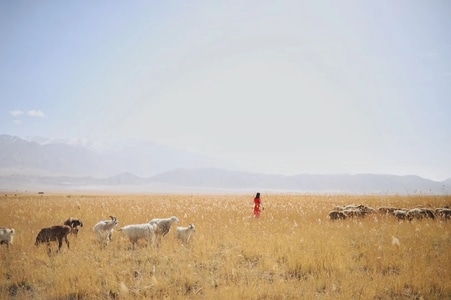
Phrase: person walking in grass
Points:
(258, 205)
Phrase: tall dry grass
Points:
(292, 252)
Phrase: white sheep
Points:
(137, 231)
(7, 236)
(163, 226)
(184, 233)
(104, 229)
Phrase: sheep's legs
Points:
(60, 243)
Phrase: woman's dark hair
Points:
(258, 195)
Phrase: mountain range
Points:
(33, 164)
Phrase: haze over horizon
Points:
(287, 87)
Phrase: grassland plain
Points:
(292, 252)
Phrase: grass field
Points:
(292, 252)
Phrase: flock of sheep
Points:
(152, 231)
(351, 211)
(155, 229)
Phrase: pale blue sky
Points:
(282, 87)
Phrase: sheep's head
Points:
(73, 222)
(115, 221)
(76, 222)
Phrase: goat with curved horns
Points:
(104, 229)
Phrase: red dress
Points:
(257, 205)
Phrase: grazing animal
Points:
(353, 210)
(74, 223)
(104, 229)
(444, 213)
(420, 213)
(414, 213)
(429, 213)
(6, 236)
(400, 214)
(54, 233)
(184, 233)
(163, 226)
(337, 215)
(140, 231)
(366, 209)
(387, 210)
(354, 213)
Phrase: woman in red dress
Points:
(257, 205)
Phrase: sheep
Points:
(137, 231)
(387, 210)
(400, 214)
(358, 211)
(7, 236)
(74, 223)
(163, 226)
(54, 233)
(420, 213)
(438, 210)
(184, 233)
(366, 209)
(354, 213)
(104, 229)
(345, 207)
(355, 210)
(444, 213)
(414, 213)
(337, 215)
(429, 213)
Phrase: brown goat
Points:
(54, 233)
(74, 223)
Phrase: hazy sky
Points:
(283, 87)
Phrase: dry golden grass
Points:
(292, 252)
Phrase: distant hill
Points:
(59, 158)
(218, 180)
(339, 183)
(135, 166)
